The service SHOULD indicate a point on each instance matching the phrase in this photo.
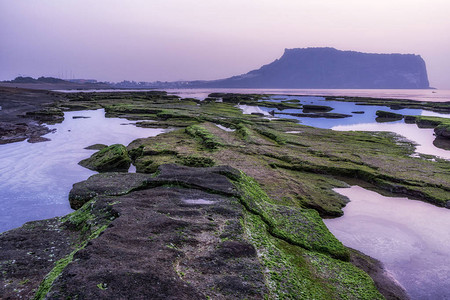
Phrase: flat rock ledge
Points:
(175, 235)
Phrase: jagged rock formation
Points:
(328, 68)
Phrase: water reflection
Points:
(361, 121)
(423, 137)
(410, 237)
(420, 95)
(35, 179)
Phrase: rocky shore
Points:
(213, 214)
(188, 233)
(23, 111)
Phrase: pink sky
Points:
(185, 40)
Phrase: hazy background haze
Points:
(186, 40)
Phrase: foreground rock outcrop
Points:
(23, 111)
(112, 158)
(187, 233)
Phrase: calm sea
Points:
(418, 95)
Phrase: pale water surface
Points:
(411, 238)
(419, 95)
(365, 121)
(35, 179)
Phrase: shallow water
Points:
(361, 122)
(419, 95)
(35, 179)
(199, 201)
(410, 237)
(423, 137)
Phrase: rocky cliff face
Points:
(331, 68)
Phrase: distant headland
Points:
(298, 68)
(328, 68)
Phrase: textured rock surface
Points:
(22, 112)
(112, 158)
(110, 183)
(185, 235)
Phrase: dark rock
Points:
(214, 178)
(158, 247)
(112, 158)
(396, 107)
(358, 112)
(111, 184)
(442, 142)
(12, 129)
(37, 139)
(384, 282)
(48, 115)
(410, 119)
(443, 131)
(28, 253)
(388, 115)
(96, 147)
(80, 117)
(230, 249)
(427, 123)
(317, 115)
(316, 108)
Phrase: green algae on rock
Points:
(112, 158)
(186, 234)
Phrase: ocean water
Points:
(35, 179)
(418, 95)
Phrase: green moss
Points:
(112, 158)
(208, 140)
(348, 281)
(150, 163)
(90, 227)
(46, 284)
(196, 161)
(102, 286)
(302, 227)
(285, 278)
(80, 219)
(242, 131)
(295, 273)
(271, 134)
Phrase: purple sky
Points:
(148, 40)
